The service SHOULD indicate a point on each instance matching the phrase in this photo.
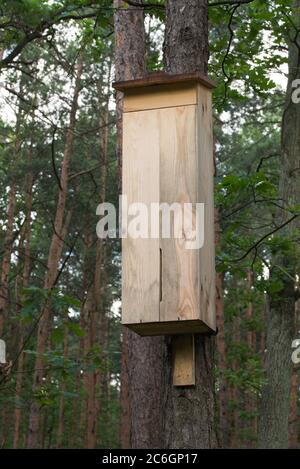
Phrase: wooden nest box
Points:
(167, 159)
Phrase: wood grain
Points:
(159, 78)
(206, 268)
(170, 327)
(140, 257)
(178, 183)
(183, 351)
(168, 158)
(162, 96)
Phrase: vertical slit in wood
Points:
(183, 351)
(160, 274)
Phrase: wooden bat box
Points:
(168, 158)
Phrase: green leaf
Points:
(75, 329)
(57, 335)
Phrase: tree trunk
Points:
(86, 419)
(8, 244)
(186, 36)
(97, 318)
(224, 430)
(273, 427)
(141, 368)
(5, 421)
(61, 410)
(60, 225)
(250, 400)
(235, 391)
(24, 282)
(293, 417)
(250, 333)
(130, 51)
(190, 412)
(79, 407)
(8, 240)
(84, 346)
(100, 320)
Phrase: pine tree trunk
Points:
(274, 414)
(24, 282)
(61, 410)
(90, 380)
(186, 36)
(96, 315)
(293, 417)
(125, 427)
(75, 438)
(79, 407)
(190, 412)
(60, 225)
(87, 306)
(235, 391)
(5, 420)
(141, 372)
(249, 398)
(91, 398)
(250, 333)
(8, 244)
(101, 322)
(88, 326)
(224, 430)
(88, 375)
(8, 240)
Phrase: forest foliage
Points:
(58, 159)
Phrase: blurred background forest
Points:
(60, 286)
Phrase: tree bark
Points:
(100, 282)
(293, 417)
(250, 399)
(24, 282)
(224, 430)
(186, 36)
(274, 414)
(130, 51)
(97, 324)
(60, 225)
(190, 412)
(235, 391)
(8, 244)
(11, 205)
(61, 409)
(141, 368)
(84, 346)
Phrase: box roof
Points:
(163, 78)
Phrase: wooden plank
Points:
(170, 328)
(161, 96)
(168, 157)
(205, 186)
(178, 183)
(140, 257)
(159, 78)
(183, 350)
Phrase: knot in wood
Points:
(186, 34)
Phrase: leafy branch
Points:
(260, 241)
